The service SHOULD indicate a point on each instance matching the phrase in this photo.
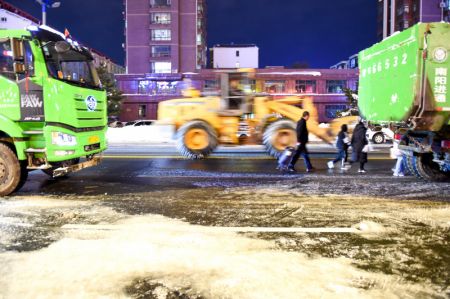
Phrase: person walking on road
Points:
(302, 140)
(360, 145)
(342, 144)
(397, 154)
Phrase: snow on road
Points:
(102, 253)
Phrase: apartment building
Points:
(165, 36)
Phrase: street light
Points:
(45, 4)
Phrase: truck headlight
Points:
(440, 54)
(63, 139)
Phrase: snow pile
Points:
(199, 260)
(144, 134)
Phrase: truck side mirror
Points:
(62, 47)
(18, 50)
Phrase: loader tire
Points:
(278, 136)
(196, 140)
(10, 170)
(429, 170)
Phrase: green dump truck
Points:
(404, 81)
(52, 106)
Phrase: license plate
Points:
(94, 139)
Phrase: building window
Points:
(211, 85)
(336, 86)
(160, 3)
(145, 87)
(161, 18)
(305, 86)
(332, 110)
(237, 53)
(249, 86)
(161, 51)
(161, 67)
(275, 86)
(166, 87)
(353, 63)
(161, 34)
(149, 87)
(4, 19)
(142, 111)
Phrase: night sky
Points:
(318, 32)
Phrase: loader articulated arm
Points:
(286, 108)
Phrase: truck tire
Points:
(23, 175)
(412, 166)
(378, 138)
(278, 136)
(196, 140)
(429, 170)
(10, 170)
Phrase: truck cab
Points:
(52, 106)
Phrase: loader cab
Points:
(234, 100)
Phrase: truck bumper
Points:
(62, 171)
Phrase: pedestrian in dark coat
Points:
(302, 140)
(360, 144)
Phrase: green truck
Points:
(404, 81)
(52, 106)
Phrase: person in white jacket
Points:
(396, 153)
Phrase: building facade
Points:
(165, 49)
(398, 15)
(351, 63)
(234, 56)
(326, 87)
(14, 18)
(101, 59)
(165, 36)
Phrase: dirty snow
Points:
(183, 256)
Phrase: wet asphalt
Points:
(402, 247)
(131, 170)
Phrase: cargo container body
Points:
(404, 82)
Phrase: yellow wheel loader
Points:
(203, 123)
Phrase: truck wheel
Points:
(10, 171)
(196, 140)
(23, 175)
(378, 138)
(412, 167)
(278, 136)
(430, 170)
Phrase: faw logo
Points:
(91, 103)
(30, 101)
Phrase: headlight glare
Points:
(63, 139)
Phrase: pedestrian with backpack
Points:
(342, 144)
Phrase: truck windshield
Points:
(72, 66)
